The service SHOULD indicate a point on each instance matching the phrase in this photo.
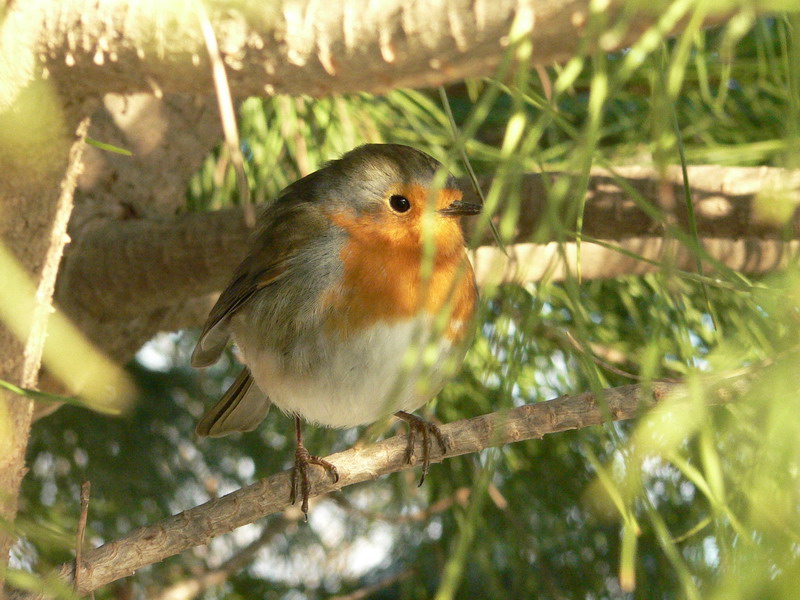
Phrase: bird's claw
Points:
(418, 425)
(301, 486)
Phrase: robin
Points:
(354, 303)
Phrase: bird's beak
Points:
(460, 208)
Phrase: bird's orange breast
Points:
(383, 281)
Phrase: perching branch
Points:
(196, 526)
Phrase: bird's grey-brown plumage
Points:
(293, 260)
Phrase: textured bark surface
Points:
(729, 202)
(199, 525)
(169, 138)
(527, 263)
(295, 46)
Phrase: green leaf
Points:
(108, 147)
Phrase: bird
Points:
(355, 301)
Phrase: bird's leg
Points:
(419, 425)
(300, 484)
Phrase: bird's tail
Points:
(241, 408)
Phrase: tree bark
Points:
(529, 263)
(294, 46)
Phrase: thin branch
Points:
(34, 347)
(196, 526)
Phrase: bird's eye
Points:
(399, 203)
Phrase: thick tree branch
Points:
(527, 263)
(168, 137)
(157, 263)
(729, 202)
(294, 46)
(153, 543)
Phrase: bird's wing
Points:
(289, 230)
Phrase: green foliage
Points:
(691, 501)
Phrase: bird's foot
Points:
(301, 487)
(428, 430)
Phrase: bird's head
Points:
(390, 194)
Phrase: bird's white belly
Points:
(360, 379)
